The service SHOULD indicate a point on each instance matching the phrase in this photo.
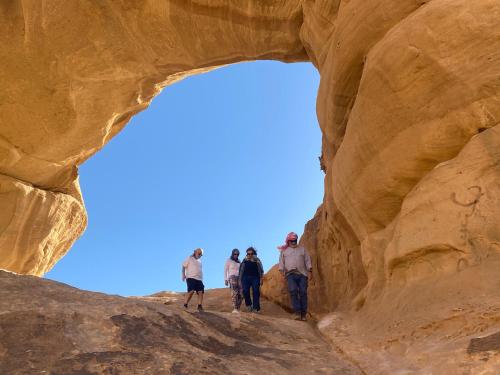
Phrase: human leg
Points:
(200, 291)
(293, 289)
(302, 284)
(239, 294)
(256, 293)
(200, 297)
(245, 284)
(235, 292)
(191, 288)
(189, 295)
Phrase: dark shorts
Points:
(195, 285)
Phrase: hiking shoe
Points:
(256, 311)
(249, 308)
(236, 311)
(185, 305)
(200, 308)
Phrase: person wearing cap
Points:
(295, 266)
(232, 279)
(192, 274)
(251, 277)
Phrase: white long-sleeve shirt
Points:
(231, 268)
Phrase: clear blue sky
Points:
(219, 160)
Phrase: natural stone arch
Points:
(87, 84)
(404, 88)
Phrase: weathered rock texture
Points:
(408, 104)
(51, 328)
(74, 73)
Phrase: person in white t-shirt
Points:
(192, 274)
(232, 279)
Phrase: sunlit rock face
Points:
(408, 105)
(74, 73)
(407, 241)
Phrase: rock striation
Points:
(408, 105)
(48, 327)
(74, 74)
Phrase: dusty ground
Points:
(50, 328)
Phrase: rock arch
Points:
(408, 106)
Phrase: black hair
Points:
(232, 253)
(251, 248)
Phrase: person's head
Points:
(251, 252)
(235, 254)
(197, 253)
(291, 239)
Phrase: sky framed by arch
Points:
(222, 160)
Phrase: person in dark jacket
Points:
(251, 277)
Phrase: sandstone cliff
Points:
(408, 104)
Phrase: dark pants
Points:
(297, 286)
(251, 282)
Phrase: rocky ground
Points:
(51, 328)
(442, 325)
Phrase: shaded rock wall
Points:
(408, 104)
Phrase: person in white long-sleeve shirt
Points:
(232, 279)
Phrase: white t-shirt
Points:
(193, 268)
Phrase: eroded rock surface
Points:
(412, 331)
(48, 327)
(408, 104)
(74, 73)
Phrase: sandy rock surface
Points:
(457, 334)
(51, 328)
(408, 105)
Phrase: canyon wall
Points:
(409, 107)
(408, 104)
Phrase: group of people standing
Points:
(245, 277)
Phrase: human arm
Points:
(281, 264)
(226, 271)
(308, 262)
(242, 269)
(184, 266)
(261, 271)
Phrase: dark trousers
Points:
(251, 282)
(297, 286)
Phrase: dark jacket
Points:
(245, 261)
